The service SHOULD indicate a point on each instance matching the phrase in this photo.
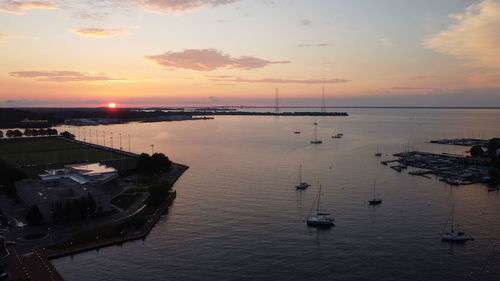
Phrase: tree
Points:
(8, 176)
(144, 162)
(493, 145)
(34, 217)
(67, 135)
(91, 204)
(476, 151)
(160, 162)
(156, 163)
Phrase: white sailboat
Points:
(315, 140)
(453, 236)
(321, 218)
(300, 184)
(375, 200)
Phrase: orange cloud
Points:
(277, 80)
(208, 60)
(474, 38)
(18, 7)
(97, 32)
(3, 36)
(63, 76)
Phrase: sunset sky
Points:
(218, 52)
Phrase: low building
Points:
(58, 186)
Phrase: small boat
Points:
(453, 236)
(296, 132)
(301, 185)
(378, 154)
(375, 200)
(337, 135)
(316, 141)
(321, 219)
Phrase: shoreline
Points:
(37, 266)
(146, 227)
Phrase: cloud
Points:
(208, 60)
(413, 88)
(305, 22)
(386, 42)
(97, 32)
(4, 36)
(18, 7)
(180, 6)
(314, 45)
(63, 76)
(84, 15)
(213, 99)
(226, 78)
(474, 38)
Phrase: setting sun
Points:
(111, 105)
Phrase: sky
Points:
(237, 52)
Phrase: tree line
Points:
(74, 209)
(29, 133)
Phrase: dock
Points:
(452, 169)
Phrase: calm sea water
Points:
(237, 215)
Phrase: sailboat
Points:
(300, 184)
(321, 218)
(316, 141)
(337, 135)
(375, 200)
(378, 154)
(453, 236)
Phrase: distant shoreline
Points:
(270, 107)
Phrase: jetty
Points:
(462, 142)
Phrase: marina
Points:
(452, 169)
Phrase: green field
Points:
(52, 151)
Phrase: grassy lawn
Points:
(56, 151)
(124, 201)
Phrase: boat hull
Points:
(302, 186)
(375, 202)
(320, 224)
(455, 238)
(322, 220)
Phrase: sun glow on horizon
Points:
(112, 105)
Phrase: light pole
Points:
(152, 149)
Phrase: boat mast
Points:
(315, 131)
(300, 172)
(374, 183)
(319, 198)
(452, 215)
